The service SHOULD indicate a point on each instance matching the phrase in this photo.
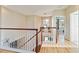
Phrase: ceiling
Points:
(35, 9)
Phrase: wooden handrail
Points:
(30, 39)
(17, 29)
(37, 32)
(48, 27)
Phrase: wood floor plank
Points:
(6, 51)
(55, 50)
(58, 48)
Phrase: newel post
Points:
(37, 41)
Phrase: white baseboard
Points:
(16, 50)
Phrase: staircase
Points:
(25, 43)
(22, 40)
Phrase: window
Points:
(46, 22)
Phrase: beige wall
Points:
(66, 12)
(34, 22)
(38, 25)
(12, 19)
(0, 15)
(57, 13)
(37, 21)
(69, 10)
(30, 21)
(0, 25)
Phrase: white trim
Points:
(16, 50)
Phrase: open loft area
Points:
(39, 28)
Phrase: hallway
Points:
(58, 48)
(27, 27)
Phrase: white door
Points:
(74, 27)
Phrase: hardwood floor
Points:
(68, 47)
(6, 51)
(56, 50)
(59, 44)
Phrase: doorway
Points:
(60, 29)
(74, 28)
(48, 32)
